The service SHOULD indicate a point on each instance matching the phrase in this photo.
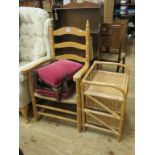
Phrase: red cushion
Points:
(53, 74)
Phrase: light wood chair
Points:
(75, 100)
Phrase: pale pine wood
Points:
(31, 67)
(52, 42)
(101, 113)
(98, 128)
(70, 44)
(31, 87)
(24, 112)
(69, 30)
(56, 109)
(78, 80)
(81, 72)
(122, 120)
(71, 57)
(83, 106)
(71, 100)
(78, 99)
(57, 117)
(87, 42)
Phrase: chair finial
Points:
(87, 23)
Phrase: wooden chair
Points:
(110, 44)
(74, 100)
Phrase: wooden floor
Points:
(49, 137)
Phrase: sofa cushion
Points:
(32, 44)
(53, 74)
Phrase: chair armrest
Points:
(81, 72)
(127, 71)
(32, 65)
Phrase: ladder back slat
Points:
(70, 44)
(71, 57)
(69, 30)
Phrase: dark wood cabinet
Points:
(75, 14)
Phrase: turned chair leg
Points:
(24, 112)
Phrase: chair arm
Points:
(32, 65)
(81, 72)
(113, 64)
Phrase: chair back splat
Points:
(71, 44)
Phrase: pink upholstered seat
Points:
(53, 74)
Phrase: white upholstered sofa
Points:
(34, 47)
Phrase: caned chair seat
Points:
(107, 92)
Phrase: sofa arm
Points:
(32, 65)
(81, 72)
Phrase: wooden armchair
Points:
(68, 109)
